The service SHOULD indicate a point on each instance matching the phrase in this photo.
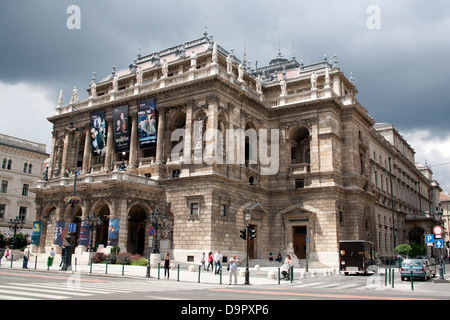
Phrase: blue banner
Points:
(59, 233)
(36, 235)
(147, 125)
(85, 233)
(98, 133)
(113, 232)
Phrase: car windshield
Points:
(412, 263)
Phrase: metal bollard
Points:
(412, 281)
(35, 263)
(159, 270)
(393, 279)
(278, 275)
(123, 266)
(292, 274)
(385, 277)
(90, 271)
(199, 268)
(178, 273)
(106, 269)
(148, 268)
(12, 259)
(220, 269)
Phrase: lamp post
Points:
(248, 219)
(438, 217)
(157, 224)
(92, 222)
(15, 225)
(67, 263)
(122, 166)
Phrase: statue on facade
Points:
(313, 80)
(93, 89)
(241, 72)
(193, 60)
(258, 84)
(229, 64)
(60, 99)
(140, 76)
(283, 87)
(74, 95)
(165, 69)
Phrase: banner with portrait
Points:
(121, 128)
(36, 234)
(84, 234)
(147, 125)
(59, 233)
(98, 133)
(113, 232)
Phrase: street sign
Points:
(72, 227)
(437, 230)
(151, 232)
(429, 238)
(439, 244)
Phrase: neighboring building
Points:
(300, 156)
(445, 208)
(22, 164)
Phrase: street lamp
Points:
(92, 222)
(67, 263)
(122, 166)
(15, 225)
(248, 219)
(438, 217)
(155, 220)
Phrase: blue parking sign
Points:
(429, 238)
(439, 243)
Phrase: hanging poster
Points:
(147, 127)
(59, 233)
(113, 232)
(98, 133)
(121, 128)
(36, 235)
(84, 234)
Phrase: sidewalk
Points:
(185, 272)
(182, 272)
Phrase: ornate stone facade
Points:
(299, 159)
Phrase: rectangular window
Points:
(4, 188)
(25, 189)
(194, 209)
(299, 183)
(2, 211)
(23, 213)
(223, 210)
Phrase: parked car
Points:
(421, 268)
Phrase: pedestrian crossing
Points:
(62, 290)
(369, 284)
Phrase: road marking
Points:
(332, 296)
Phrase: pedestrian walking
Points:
(63, 256)
(203, 261)
(210, 261)
(166, 265)
(51, 256)
(233, 264)
(26, 257)
(217, 262)
(6, 254)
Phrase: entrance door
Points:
(299, 241)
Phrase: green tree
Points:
(404, 250)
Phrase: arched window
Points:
(30, 167)
(4, 164)
(25, 167)
(9, 164)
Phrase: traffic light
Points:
(244, 234)
(251, 233)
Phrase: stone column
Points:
(211, 141)
(134, 142)
(64, 164)
(109, 157)
(87, 153)
(160, 137)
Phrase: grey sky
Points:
(401, 70)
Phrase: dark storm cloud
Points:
(401, 70)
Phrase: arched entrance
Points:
(417, 236)
(100, 236)
(137, 219)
